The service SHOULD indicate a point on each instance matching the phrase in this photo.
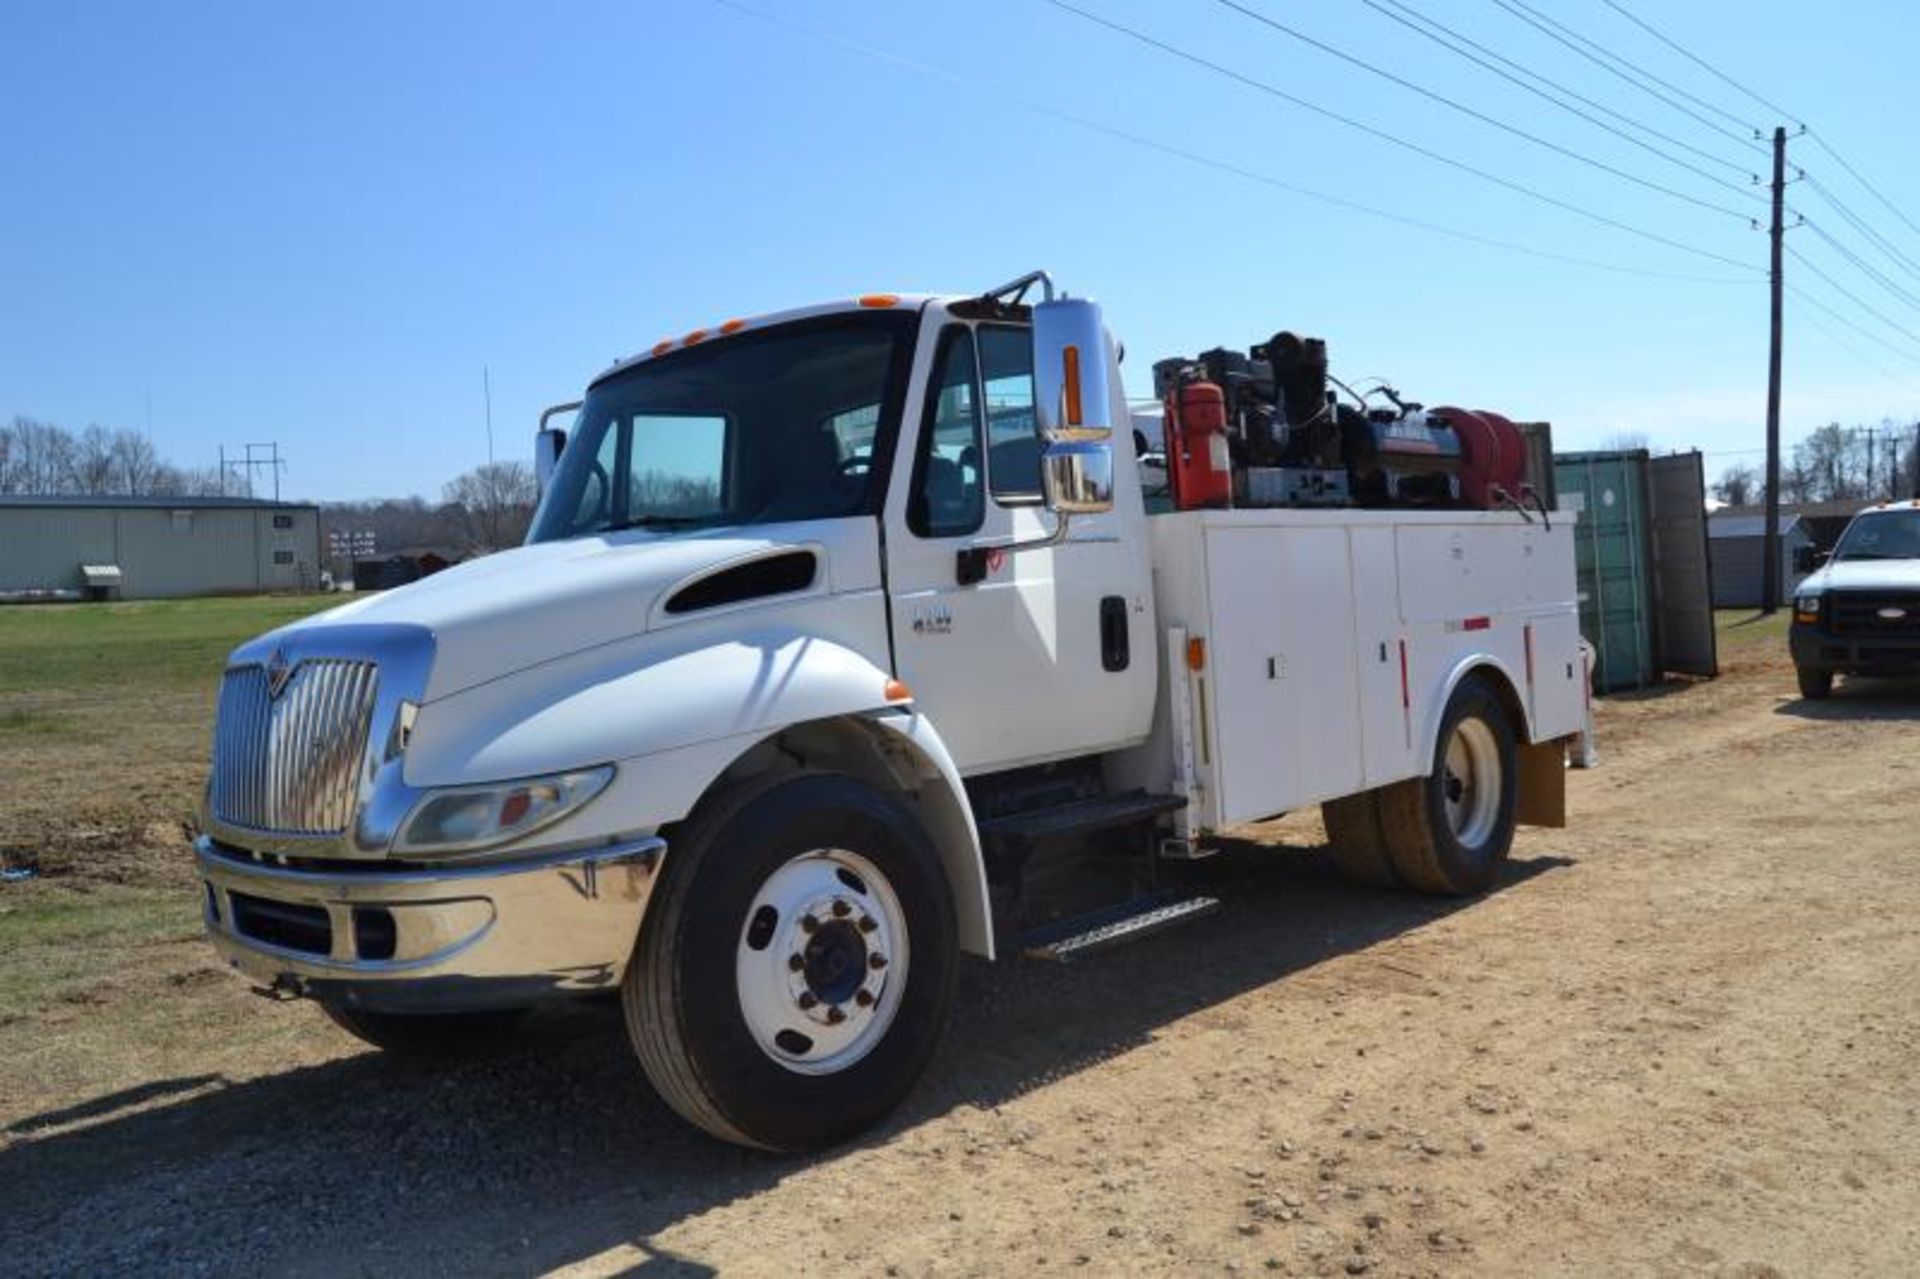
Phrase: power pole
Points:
(1770, 585)
(1916, 461)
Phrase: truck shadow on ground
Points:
(556, 1151)
(1861, 698)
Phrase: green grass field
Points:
(146, 644)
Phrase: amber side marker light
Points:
(1196, 654)
(896, 691)
(1070, 368)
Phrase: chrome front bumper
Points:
(414, 940)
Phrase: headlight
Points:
(1807, 604)
(465, 818)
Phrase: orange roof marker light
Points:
(879, 299)
(1196, 654)
(896, 691)
(661, 348)
(694, 338)
(733, 326)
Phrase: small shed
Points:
(1737, 545)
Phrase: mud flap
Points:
(1543, 784)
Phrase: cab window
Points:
(1013, 433)
(948, 492)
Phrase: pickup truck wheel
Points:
(1359, 845)
(426, 1034)
(1815, 685)
(797, 966)
(1448, 832)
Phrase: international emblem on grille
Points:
(1893, 614)
(279, 671)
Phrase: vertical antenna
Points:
(486, 389)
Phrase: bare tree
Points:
(1738, 485)
(39, 458)
(135, 464)
(494, 503)
(91, 464)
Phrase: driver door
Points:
(1048, 654)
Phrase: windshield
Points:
(1889, 535)
(792, 423)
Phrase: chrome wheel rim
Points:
(821, 963)
(1471, 782)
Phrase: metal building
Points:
(154, 547)
(1738, 545)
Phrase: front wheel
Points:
(1815, 685)
(797, 966)
(1450, 831)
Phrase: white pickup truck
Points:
(1858, 610)
(832, 627)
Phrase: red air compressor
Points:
(1199, 468)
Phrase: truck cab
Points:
(1858, 612)
(831, 623)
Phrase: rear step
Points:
(1079, 815)
(1097, 930)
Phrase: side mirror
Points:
(549, 442)
(1805, 559)
(1074, 406)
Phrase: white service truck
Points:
(832, 625)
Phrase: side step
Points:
(1141, 917)
(1079, 815)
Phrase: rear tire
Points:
(1449, 832)
(763, 1011)
(427, 1034)
(1358, 843)
(1815, 685)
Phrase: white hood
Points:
(524, 607)
(1864, 575)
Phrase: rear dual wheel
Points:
(1449, 831)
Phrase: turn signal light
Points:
(1070, 367)
(1196, 654)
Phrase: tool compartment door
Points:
(1281, 669)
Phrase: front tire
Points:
(797, 966)
(1450, 831)
(1816, 685)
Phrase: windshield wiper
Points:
(655, 521)
(1865, 555)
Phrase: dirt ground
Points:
(1682, 1038)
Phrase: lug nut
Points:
(808, 999)
(808, 923)
(864, 998)
(835, 1016)
(868, 923)
(795, 963)
(841, 909)
(876, 960)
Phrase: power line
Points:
(1875, 191)
(1385, 136)
(1866, 268)
(1472, 113)
(1579, 44)
(1871, 362)
(1864, 332)
(1452, 41)
(1861, 225)
(1000, 95)
(1690, 56)
(1471, 43)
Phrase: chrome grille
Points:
(291, 764)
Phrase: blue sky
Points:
(317, 224)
